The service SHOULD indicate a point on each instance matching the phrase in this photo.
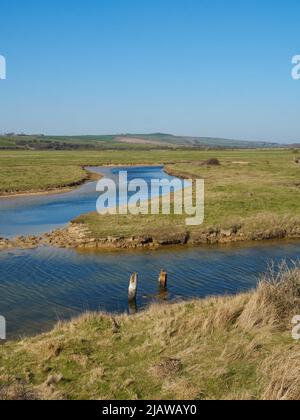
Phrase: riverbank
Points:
(128, 232)
(158, 231)
(218, 348)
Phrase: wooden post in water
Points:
(132, 291)
(132, 307)
(163, 279)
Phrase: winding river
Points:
(38, 214)
(39, 287)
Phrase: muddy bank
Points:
(78, 236)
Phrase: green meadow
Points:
(255, 188)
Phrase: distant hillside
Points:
(209, 142)
(125, 141)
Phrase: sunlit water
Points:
(38, 214)
(39, 287)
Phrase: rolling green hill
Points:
(203, 141)
(125, 141)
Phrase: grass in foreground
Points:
(219, 348)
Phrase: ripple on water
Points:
(39, 287)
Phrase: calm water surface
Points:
(39, 287)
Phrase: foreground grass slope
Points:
(219, 348)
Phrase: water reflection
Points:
(132, 306)
(163, 294)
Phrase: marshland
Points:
(241, 323)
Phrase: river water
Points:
(42, 286)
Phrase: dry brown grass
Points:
(276, 301)
(12, 389)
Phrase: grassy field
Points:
(218, 348)
(252, 189)
(22, 171)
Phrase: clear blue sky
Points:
(195, 67)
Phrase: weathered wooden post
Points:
(133, 285)
(163, 279)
